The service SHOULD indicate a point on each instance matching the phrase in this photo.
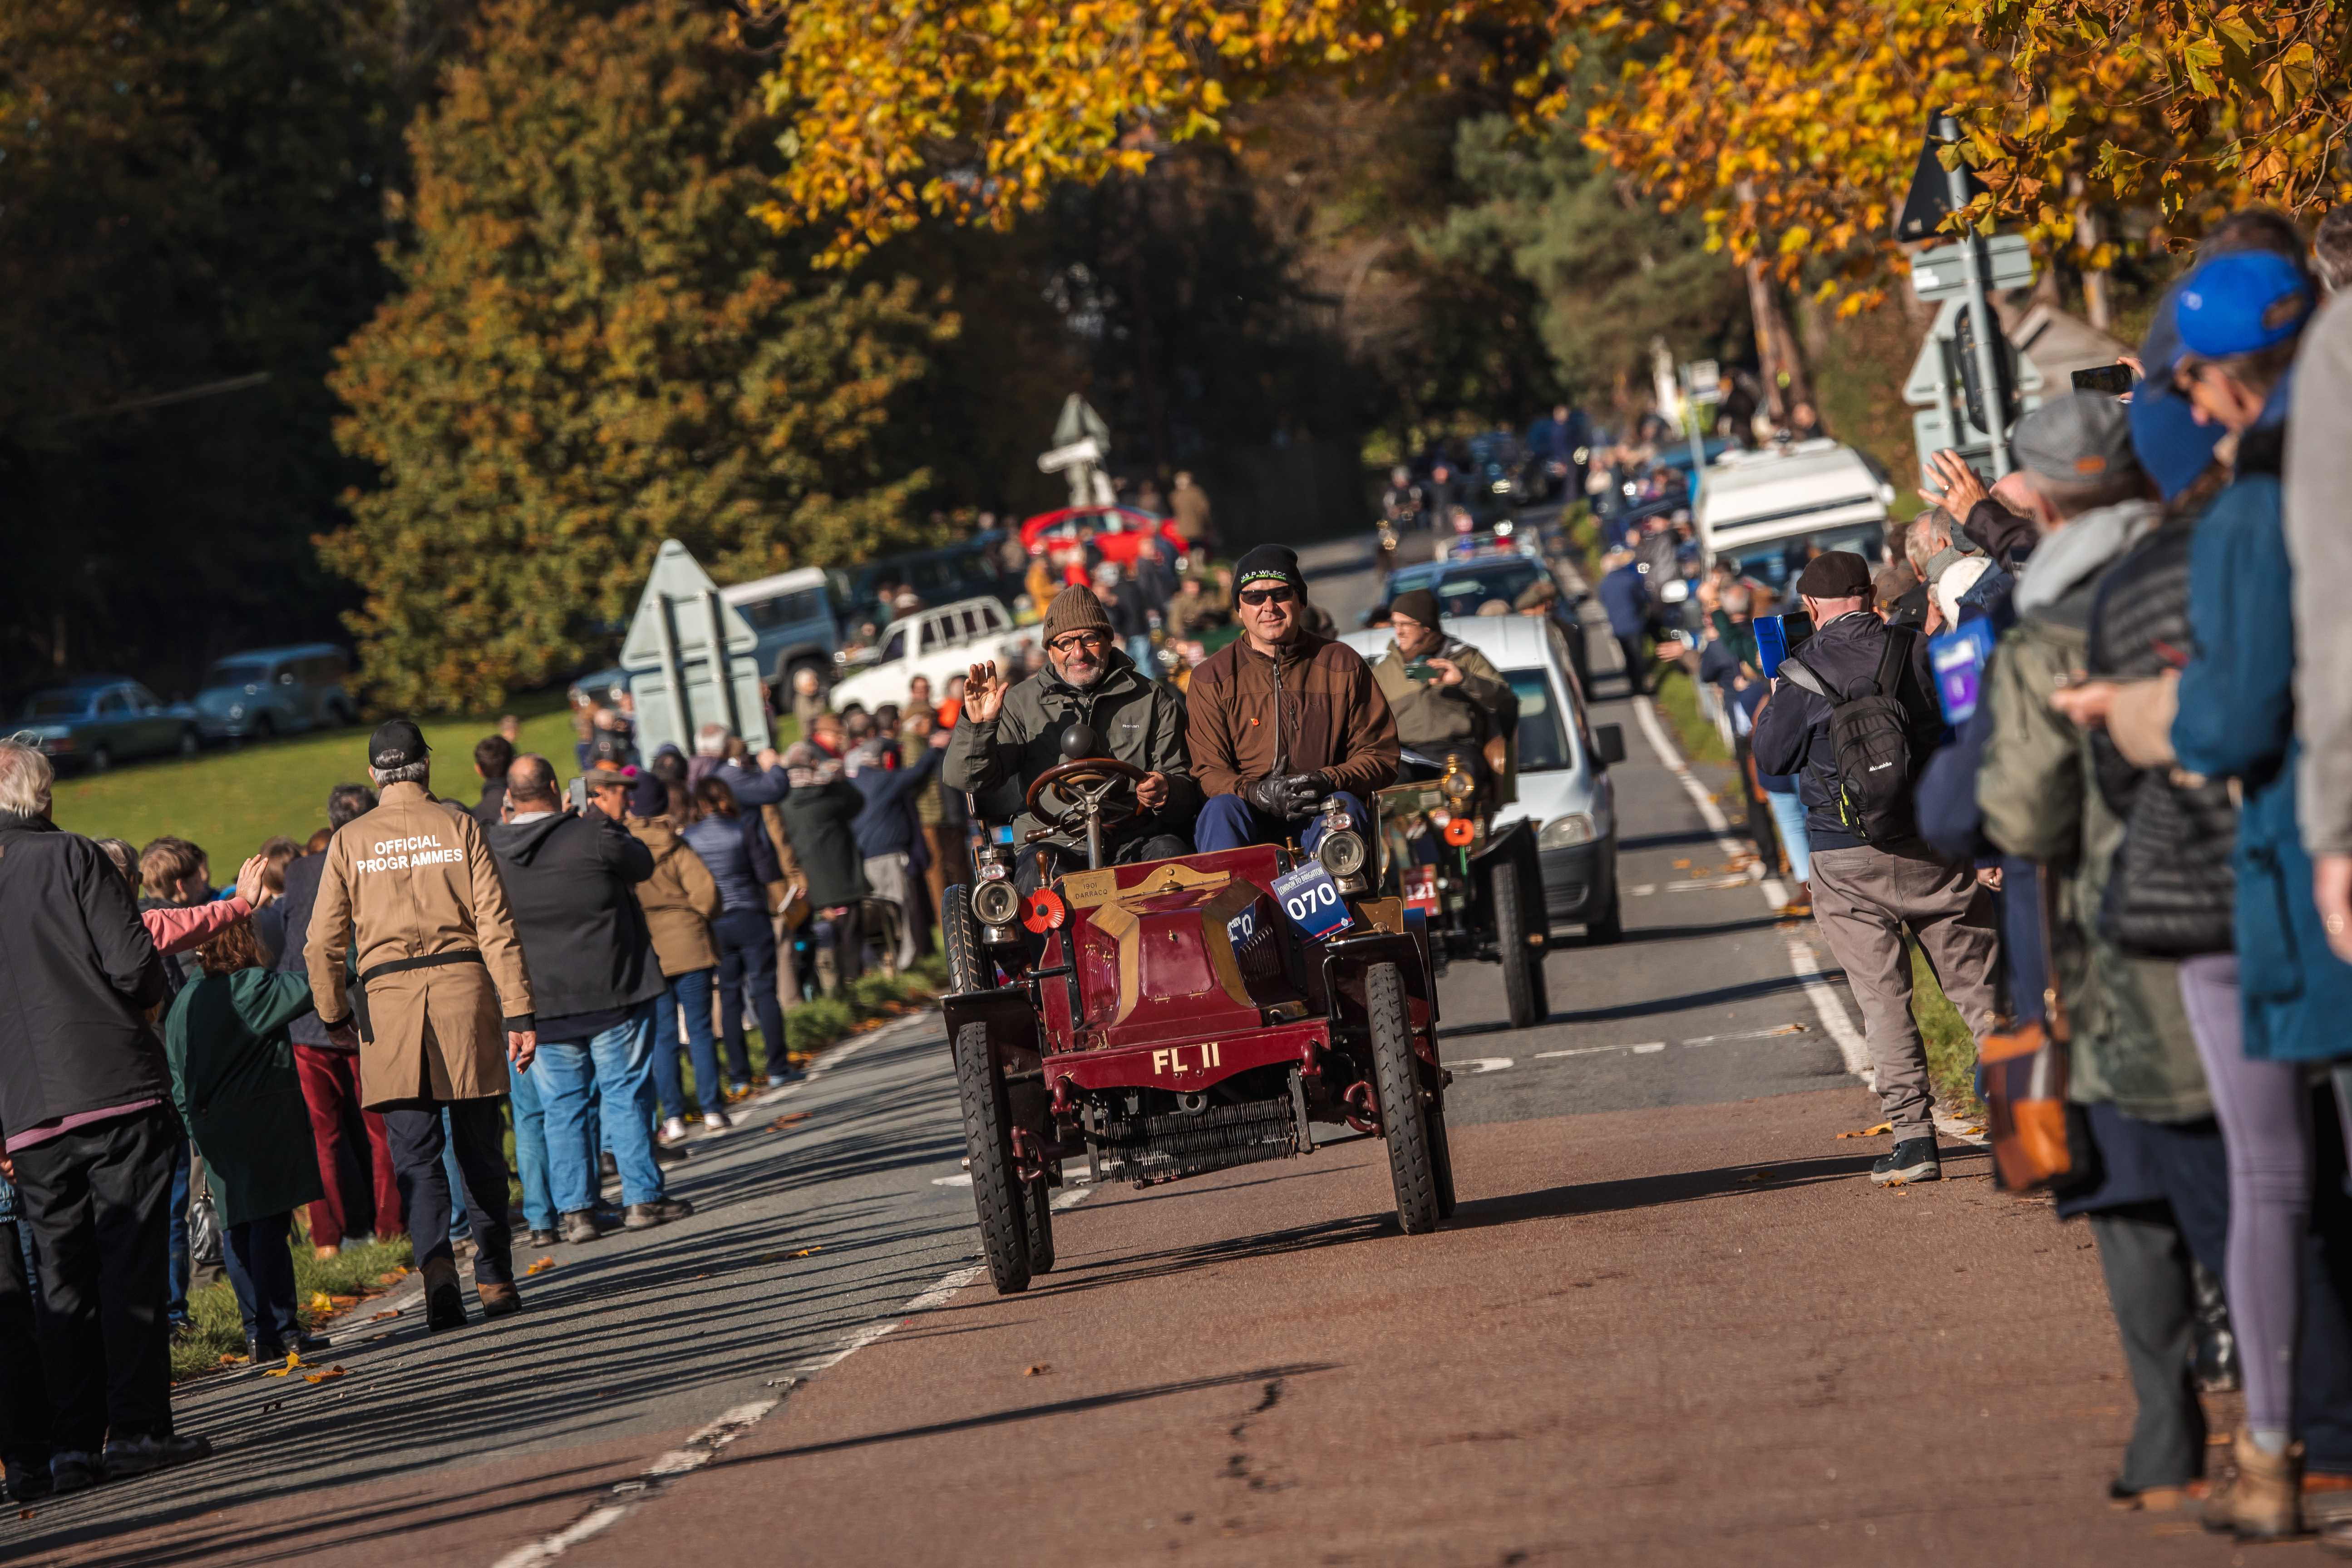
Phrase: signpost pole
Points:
(1987, 349)
(673, 672)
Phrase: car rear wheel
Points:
(988, 1139)
(190, 742)
(100, 759)
(265, 728)
(1404, 1118)
(1037, 1203)
(967, 966)
(1523, 977)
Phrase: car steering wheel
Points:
(1076, 788)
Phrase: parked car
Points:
(1563, 766)
(100, 720)
(1463, 582)
(934, 643)
(276, 691)
(945, 576)
(798, 622)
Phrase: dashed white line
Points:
(1476, 1065)
(1644, 1049)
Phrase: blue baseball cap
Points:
(2240, 302)
(2172, 447)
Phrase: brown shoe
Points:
(2214, 1514)
(2337, 1537)
(497, 1300)
(2266, 1504)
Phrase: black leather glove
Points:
(1288, 796)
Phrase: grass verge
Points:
(1951, 1049)
(230, 800)
(345, 1280)
(1676, 697)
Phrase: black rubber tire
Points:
(265, 728)
(101, 758)
(1611, 926)
(1523, 978)
(1037, 1204)
(1404, 1118)
(968, 965)
(988, 1139)
(191, 743)
(1441, 1148)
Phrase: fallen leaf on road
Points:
(784, 1123)
(1882, 1129)
(1682, 864)
(323, 1376)
(321, 1303)
(1040, 1370)
(24, 1513)
(293, 1360)
(773, 1257)
(380, 1317)
(1756, 1176)
(231, 1359)
(394, 1278)
(804, 1251)
(542, 1266)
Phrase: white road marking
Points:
(1850, 1043)
(1749, 1035)
(699, 1450)
(961, 1178)
(1644, 1049)
(1641, 889)
(1479, 1065)
(1712, 882)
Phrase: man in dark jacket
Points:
(1282, 719)
(493, 755)
(819, 814)
(1625, 594)
(86, 1110)
(1866, 891)
(887, 832)
(354, 1155)
(1011, 734)
(569, 881)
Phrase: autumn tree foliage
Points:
(1791, 126)
(593, 349)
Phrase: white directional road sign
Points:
(1941, 274)
(691, 659)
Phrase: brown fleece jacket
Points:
(1320, 712)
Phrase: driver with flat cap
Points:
(1281, 719)
(1017, 733)
(442, 1007)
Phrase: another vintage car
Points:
(101, 720)
(1178, 1016)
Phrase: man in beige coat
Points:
(443, 1004)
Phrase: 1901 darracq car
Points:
(1177, 1016)
(1477, 886)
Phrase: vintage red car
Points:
(1173, 1017)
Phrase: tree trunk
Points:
(2098, 286)
(1786, 382)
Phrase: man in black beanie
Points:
(1282, 718)
(1873, 875)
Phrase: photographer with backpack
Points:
(1854, 714)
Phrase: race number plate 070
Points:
(1312, 901)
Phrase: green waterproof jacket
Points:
(2131, 1043)
(233, 1079)
(1140, 721)
(818, 818)
(1434, 718)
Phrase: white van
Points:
(1770, 511)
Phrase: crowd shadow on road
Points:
(825, 1228)
(1747, 1181)
(1636, 935)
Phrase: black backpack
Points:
(1871, 735)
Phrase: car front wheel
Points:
(100, 759)
(190, 742)
(1404, 1120)
(996, 1186)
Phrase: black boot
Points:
(2217, 1343)
(1912, 1160)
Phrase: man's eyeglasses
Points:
(1267, 596)
(1072, 641)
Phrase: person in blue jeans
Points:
(570, 878)
(680, 901)
(531, 1156)
(606, 1078)
(176, 1309)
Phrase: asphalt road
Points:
(1671, 1314)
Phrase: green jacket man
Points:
(1466, 704)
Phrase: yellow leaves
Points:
(332, 1371)
(1880, 1131)
(294, 1362)
(321, 1303)
(540, 1266)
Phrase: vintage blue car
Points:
(96, 722)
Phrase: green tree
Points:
(1612, 271)
(594, 350)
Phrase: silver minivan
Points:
(1563, 784)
